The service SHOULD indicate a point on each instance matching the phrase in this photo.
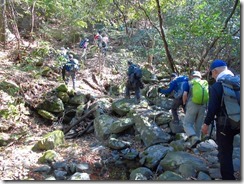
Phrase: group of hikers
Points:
(204, 105)
(70, 68)
(100, 39)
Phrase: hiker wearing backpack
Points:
(218, 106)
(177, 86)
(134, 82)
(195, 97)
(104, 44)
(69, 70)
(98, 39)
(84, 45)
(101, 39)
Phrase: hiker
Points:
(105, 41)
(195, 112)
(224, 133)
(69, 70)
(98, 39)
(64, 53)
(84, 45)
(102, 41)
(134, 82)
(177, 85)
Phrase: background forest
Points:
(174, 33)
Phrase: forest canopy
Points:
(180, 35)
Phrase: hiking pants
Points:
(174, 108)
(193, 119)
(129, 87)
(84, 53)
(225, 150)
(71, 74)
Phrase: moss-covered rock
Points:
(123, 106)
(63, 96)
(78, 99)
(62, 88)
(49, 155)
(50, 141)
(9, 87)
(53, 104)
(47, 115)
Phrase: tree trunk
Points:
(124, 17)
(3, 23)
(32, 17)
(166, 47)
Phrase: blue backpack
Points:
(135, 71)
(82, 43)
(71, 66)
(231, 100)
(180, 81)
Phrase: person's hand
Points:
(205, 129)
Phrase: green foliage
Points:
(190, 26)
(11, 112)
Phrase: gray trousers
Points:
(71, 74)
(194, 118)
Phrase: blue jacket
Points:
(214, 104)
(178, 85)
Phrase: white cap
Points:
(196, 74)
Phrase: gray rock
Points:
(203, 177)
(141, 173)
(80, 176)
(60, 175)
(153, 154)
(170, 176)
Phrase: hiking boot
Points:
(194, 140)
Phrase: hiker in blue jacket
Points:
(69, 70)
(177, 86)
(84, 46)
(224, 134)
(194, 116)
(134, 82)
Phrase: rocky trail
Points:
(87, 157)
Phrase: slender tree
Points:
(3, 23)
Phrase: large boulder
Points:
(50, 141)
(173, 160)
(150, 133)
(121, 125)
(153, 155)
(53, 104)
(123, 106)
(102, 126)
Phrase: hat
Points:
(129, 62)
(217, 63)
(196, 74)
(173, 75)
